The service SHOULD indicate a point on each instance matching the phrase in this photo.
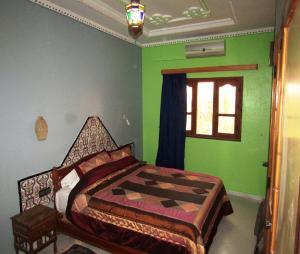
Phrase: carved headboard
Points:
(93, 137)
(38, 189)
(35, 189)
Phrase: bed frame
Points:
(94, 137)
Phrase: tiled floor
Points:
(234, 236)
(235, 232)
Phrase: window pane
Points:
(188, 122)
(189, 96)
(205, 108)
(227, 95)
(226, 124)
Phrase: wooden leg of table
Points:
(17, 250)
(31, 250)
(55, 247)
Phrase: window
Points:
(214, 108)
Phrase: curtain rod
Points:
(244, 67)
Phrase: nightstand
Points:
(34, 229)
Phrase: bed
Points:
(124, 205)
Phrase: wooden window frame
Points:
(218, 82)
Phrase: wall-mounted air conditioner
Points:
(205, 48)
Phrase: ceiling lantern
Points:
(135, 18)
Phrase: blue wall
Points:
(65, 71)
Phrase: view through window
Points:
(214, 108)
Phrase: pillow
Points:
(61, 199)
(96, 161)
(120, 153)
(70, 180)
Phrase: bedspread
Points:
(174, 206)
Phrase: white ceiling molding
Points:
(84, 20)
(233, 12)
(204, 6)
(179, 19)
(159, 19)
(201, 11)
(196, 12)
(124, 2)
(170, 20)
(211, 37)
(109, 16)
(105, 9)
(192, 27)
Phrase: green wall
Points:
(239, 164)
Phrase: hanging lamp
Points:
(135, 18)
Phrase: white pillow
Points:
(70, 180)
(61, 199)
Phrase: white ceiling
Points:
(172, 20)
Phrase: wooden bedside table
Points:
(34, 229)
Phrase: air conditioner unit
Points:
(204, 49)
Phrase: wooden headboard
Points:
(39, 188)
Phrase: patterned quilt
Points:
(178, 207)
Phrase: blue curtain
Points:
(172, 122)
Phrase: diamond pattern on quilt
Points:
(134, 196)
(169, 203)
(118, 192)
(150, 170)
(193, 178)
(189, 207)
(166, 185)
(200, 191)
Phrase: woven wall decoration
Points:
(41, 128)
(93, 137)
(38, 189)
